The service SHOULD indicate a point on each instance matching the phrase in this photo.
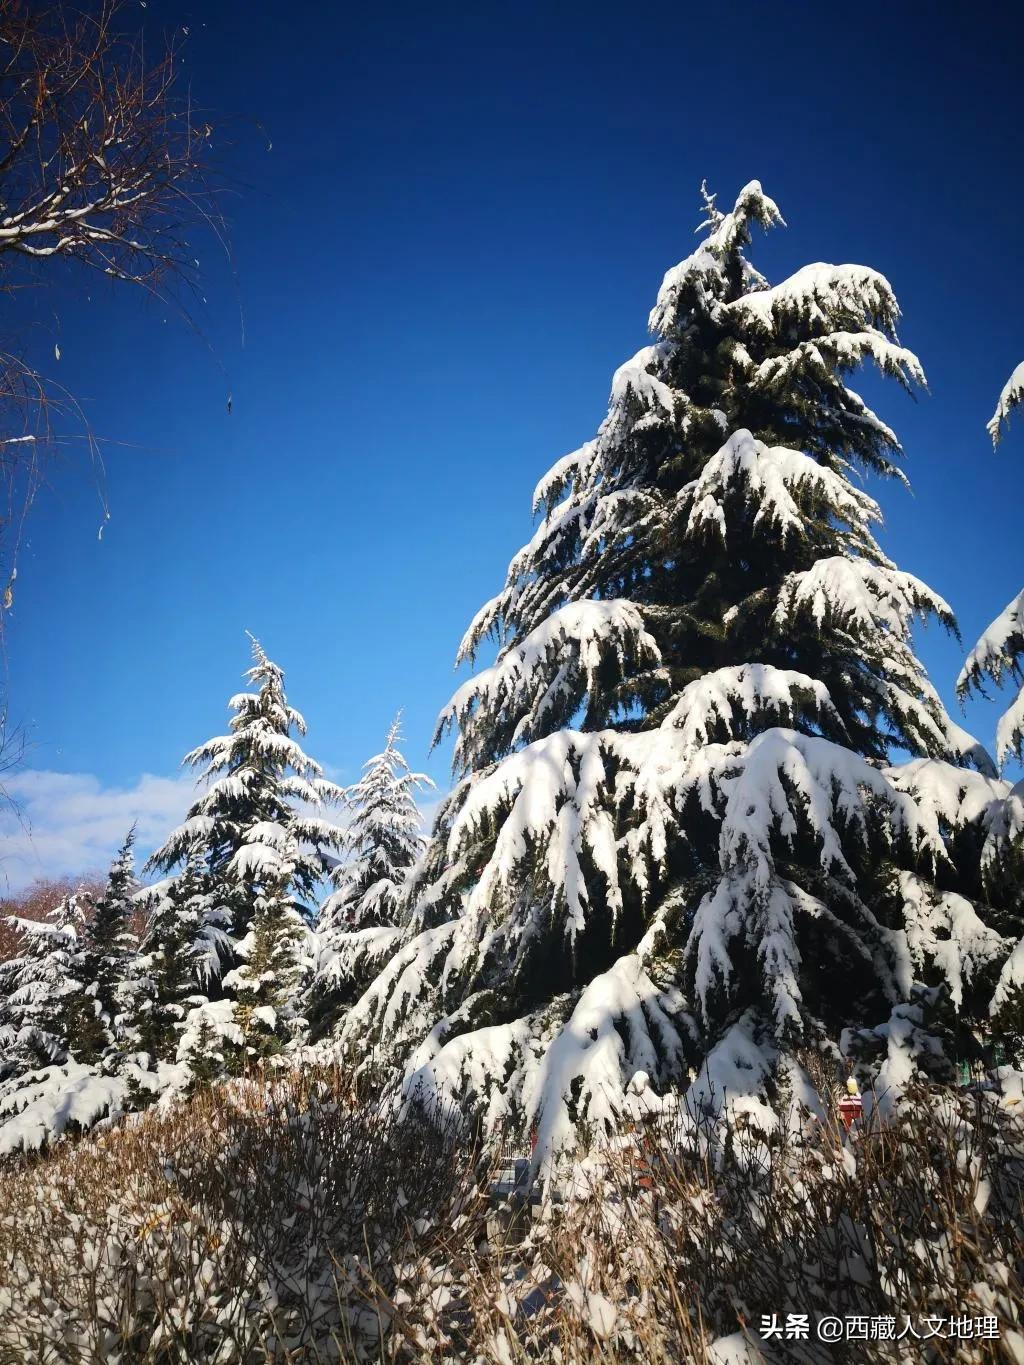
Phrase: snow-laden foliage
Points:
(254, 779)
(266, 985)
(981, 820)
(999, 654)
(70, 991)
(187, 938)
(65, 1013)
(675, 842)
(106, 965)
(792, 949)
(69, 1097)
(543, 680)
(345, 961)
(1011, 396)
(953, 801)
(36, 988)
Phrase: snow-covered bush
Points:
(37, 902)
(66, 1001)
(67, 992)
(37, 986)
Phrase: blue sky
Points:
(453, 240)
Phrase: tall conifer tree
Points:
(675, 840)
(261, 856)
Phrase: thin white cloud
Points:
(65, 824)
(69, 824)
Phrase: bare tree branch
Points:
(103, 164)
(100, 160)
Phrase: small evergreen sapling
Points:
(266, 985)
(358, 922)
(383, 842)
(174, 959)
(36, 988)
(108, 948)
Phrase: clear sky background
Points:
(448, 225)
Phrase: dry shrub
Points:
(297, 1223)
(230, 1227)
(919, 1217)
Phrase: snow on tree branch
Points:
(100, 161)
(1011, 396)
(999, 655)
(544, 680)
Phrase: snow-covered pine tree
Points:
(357, 923)
(177, 957)
(61, 1040)
(261, 852)
(675, 840)
(383, 841)
(999, 656)
(36, 987)
(108, 947)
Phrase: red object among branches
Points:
(850, 1109)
